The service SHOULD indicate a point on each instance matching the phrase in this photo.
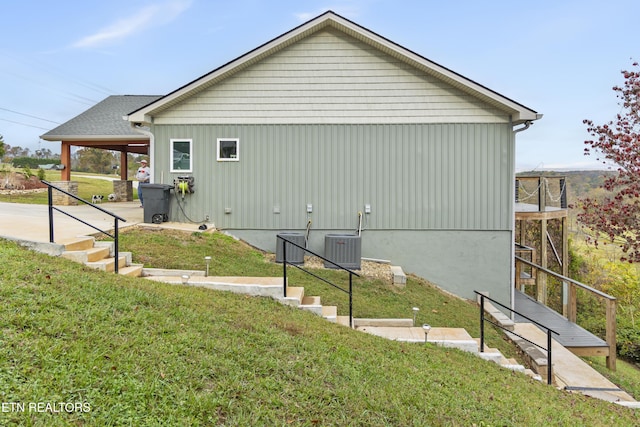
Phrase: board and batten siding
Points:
(414, 176)
(327, 78)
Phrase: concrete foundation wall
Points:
(456, 261)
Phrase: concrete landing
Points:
(572, 373)
(446, 337)
(259, 286)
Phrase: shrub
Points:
(41, 174)
(628, 343)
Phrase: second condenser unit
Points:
(343, 249)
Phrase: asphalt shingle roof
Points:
(103, 119)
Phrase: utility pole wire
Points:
(29, 115)
(24, 124)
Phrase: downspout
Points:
(526, 126)
(138, 128)
(512, 261)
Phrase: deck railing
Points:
(572, 303)
(542, 191)
(349, 290)
(52, 208)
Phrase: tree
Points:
(616, 216)
(1, 147)
(95, 160)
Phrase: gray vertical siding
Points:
(414, 176)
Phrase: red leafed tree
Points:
(616, 217)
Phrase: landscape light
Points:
(185, 279)
(426, 328)
(415, 313)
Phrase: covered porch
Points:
(103, 127)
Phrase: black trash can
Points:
(295, 255)
(156, 202)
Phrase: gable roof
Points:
(519, 113)
(103, 121)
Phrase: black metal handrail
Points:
(284, 274)
(549, 331)
(116, 218)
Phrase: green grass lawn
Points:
(135, 352)
(87, 186)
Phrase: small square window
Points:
(181, 155)
(228, 150)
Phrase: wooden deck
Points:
(580, 341)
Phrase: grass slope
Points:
(142, 353)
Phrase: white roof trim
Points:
(95, 138)
(519, 112)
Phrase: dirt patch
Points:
(16, 181)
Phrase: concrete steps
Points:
(395, 329)
(99, 255)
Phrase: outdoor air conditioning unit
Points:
(343, 249)
(295, 255)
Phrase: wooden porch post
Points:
(65, 159)
(123, 166)
(541, 279)
(611, 333)
(566, 297)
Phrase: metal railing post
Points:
(284, 266)
(50, 202)
(481, 323)
(115, 239)
(549, 363)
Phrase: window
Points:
(228, 149)
(181, 155)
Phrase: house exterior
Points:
(334, 124)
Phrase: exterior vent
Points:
(295, 255)
(343, 249)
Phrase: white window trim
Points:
(190, 141)
(220, 159)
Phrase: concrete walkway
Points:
(574, 374)
(570, 372)
(31, 222)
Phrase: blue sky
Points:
(560, 58)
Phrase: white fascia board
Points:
(94, 137)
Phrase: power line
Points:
(24, 124)
(29, 115)
(53, 70)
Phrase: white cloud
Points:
(147, 17)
